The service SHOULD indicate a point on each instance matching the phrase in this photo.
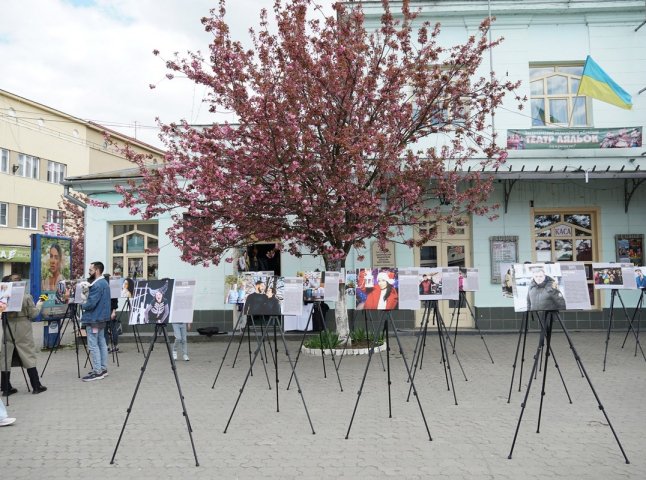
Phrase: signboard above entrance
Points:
(567, 138)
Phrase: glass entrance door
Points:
(450, 248)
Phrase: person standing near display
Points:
(21, 329)
(96, 313)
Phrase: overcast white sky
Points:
(93, 58)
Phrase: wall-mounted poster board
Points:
(504, 249)
(629, 248)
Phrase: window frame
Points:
(5, 206)
(55, 216)
(594, 236)
(569, 96)
(28, 162)
(127, 258)
(33, 216)
(55, 171)
(4, 160)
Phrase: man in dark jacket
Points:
(96, 313)
(543, 292)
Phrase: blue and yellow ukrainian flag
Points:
(597, 84)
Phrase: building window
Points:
(28, 166)
(55, 172)
(134, 250)
(567, 236)
(553, 96)
(4, 160)
(27, 217)
(3, 214)
(55, 216)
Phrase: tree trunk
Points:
(341, 309)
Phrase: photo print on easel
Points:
(640, 277)
(151, 302)
(377, 289)
(611, 276)
(507, 279)
(263, 294)
(469, 280)
(13, 295)
(430, 283)
(538, 287)
(313, 287)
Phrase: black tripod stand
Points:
(418, 353)
(273, 322)
(388, 321)
(462, 300)
(71, 316)
(246, 329)
(636, 313)
(159, 328)
(127, 307)
(615, 293)
(6, 328)
(546, 338)
(317, 310)
(522, 334)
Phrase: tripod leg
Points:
(513, 372)
(371, 352)
(421, 340)
(548, 336)
(298, 385)
(235, 328)
(447, 336)
(300, 348)
(276, 362)
(446, 361)
(408, 372)
(333, 354)
(244, 383)
(632, 320)
(173, 367)
(390, 403)
(529, 386)
(556, 364)
(475, 322)
(578, 358)
(132, 401)
(522, 354)
(630, 328)
(612, 309)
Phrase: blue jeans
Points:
(98, 348)
(180, 337)
(3, 411)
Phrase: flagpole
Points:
(577, 92)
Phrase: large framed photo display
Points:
(377, 289)
(613, 276)
(630, 248)
(263, 294)
(504, 250)
(550, 287)
(51, 260)
(152, 302)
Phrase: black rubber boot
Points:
(5, 384)
(36, 387)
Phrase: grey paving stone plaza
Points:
(70, 431)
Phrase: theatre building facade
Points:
(572, 189)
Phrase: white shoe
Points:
(174, 355)
(185, 357)
(7, 421)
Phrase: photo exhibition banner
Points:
(51, 260)
(550, 287)
(151, 302)
(614, 276)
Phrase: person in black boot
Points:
(21, 328)
(7, 389)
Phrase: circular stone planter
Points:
(342, 351)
